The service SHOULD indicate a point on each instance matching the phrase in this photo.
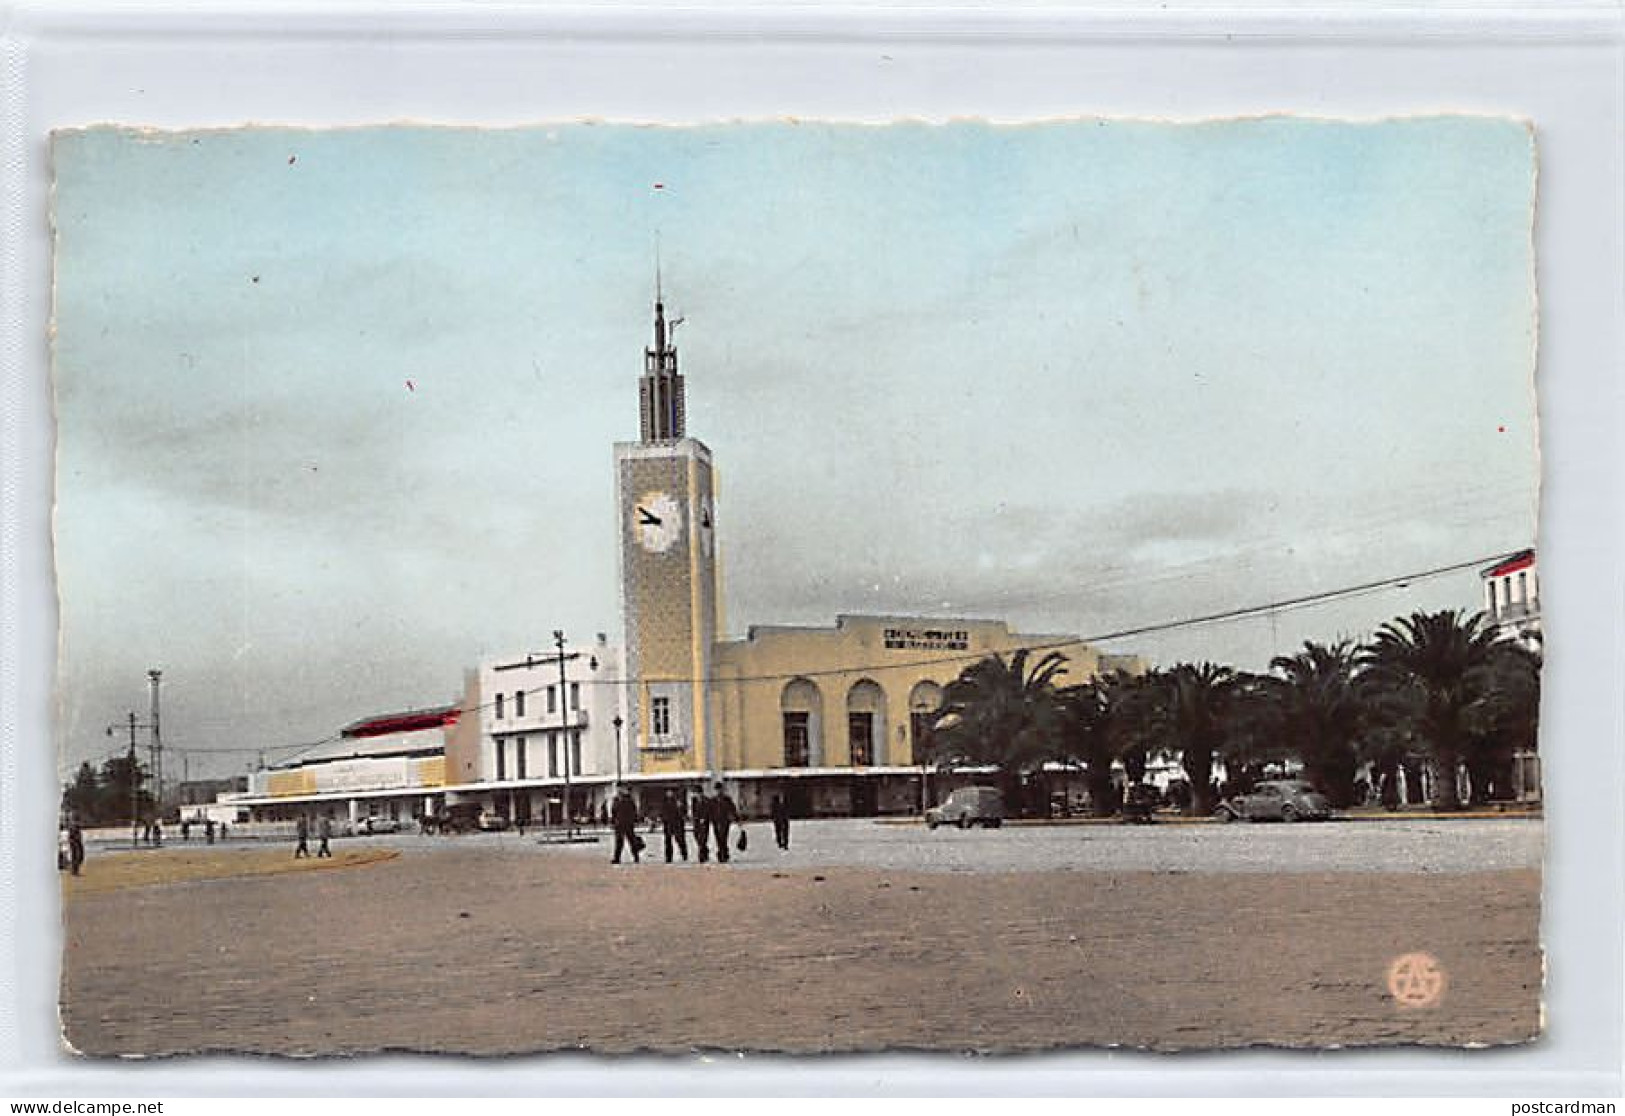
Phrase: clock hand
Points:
(647, 518)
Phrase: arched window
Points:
(923, 702)
(801, 710)
(865, 723)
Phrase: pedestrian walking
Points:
(671, 824)
(157, 832)
(781, 821)
(76, 847)
(624, 816)
(723, 816)
(325, 831)
(700, 815)
(208, 831)
(186, 830)
(222, 831)
(301, 830)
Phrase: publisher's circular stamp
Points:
(1416, 980)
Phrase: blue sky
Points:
(335, 407)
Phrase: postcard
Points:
(798, 587)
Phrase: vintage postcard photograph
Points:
(798, 587)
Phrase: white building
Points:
(1512, 597)
(540, 728)
(1512, 603)
(391, 766)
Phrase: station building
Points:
(837, 719)
(833, 718)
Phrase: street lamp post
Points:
(617, 722)
(564, 735)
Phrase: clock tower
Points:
(667, 533)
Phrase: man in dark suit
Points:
(701, 817)
(76, 847)
(781, 821)
(723, 815)
(671, 823)
(624, 816)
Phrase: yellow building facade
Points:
(838, 718)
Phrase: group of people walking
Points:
(709, 818)
(208, 830)
(324, 831)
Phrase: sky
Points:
(335, 408)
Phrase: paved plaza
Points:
(864, 936)
(1397, 845)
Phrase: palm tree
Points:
(1000, 714)
(1097, 727)
(1194, 719)
(1503, 719)
(1319, 714)
(1433, 665)
(1252, 738)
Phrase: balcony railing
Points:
(539, 721)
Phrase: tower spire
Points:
(660, 391)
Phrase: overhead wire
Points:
(1223, 616)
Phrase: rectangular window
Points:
(1523, 589)
(797, 740)
(552, 700)
(520, 749)
(519, 703)
(1494, 612)
(575, 695)
(502, 759)
(553, 755)
(660, 716)
(575, 750)
(1506, 593)
(499, 707)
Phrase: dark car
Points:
(1277, 800)
(1140, 802)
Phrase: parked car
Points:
(377, 824)
(492, 822)
(968, 806)
(1140, 802)
(1277, 800)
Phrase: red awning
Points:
(1512, 565)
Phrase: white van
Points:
(969, 806)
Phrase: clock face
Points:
(657, 522)
(708, 525)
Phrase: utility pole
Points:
(564, 735)
(135, 780)
(157, 746)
